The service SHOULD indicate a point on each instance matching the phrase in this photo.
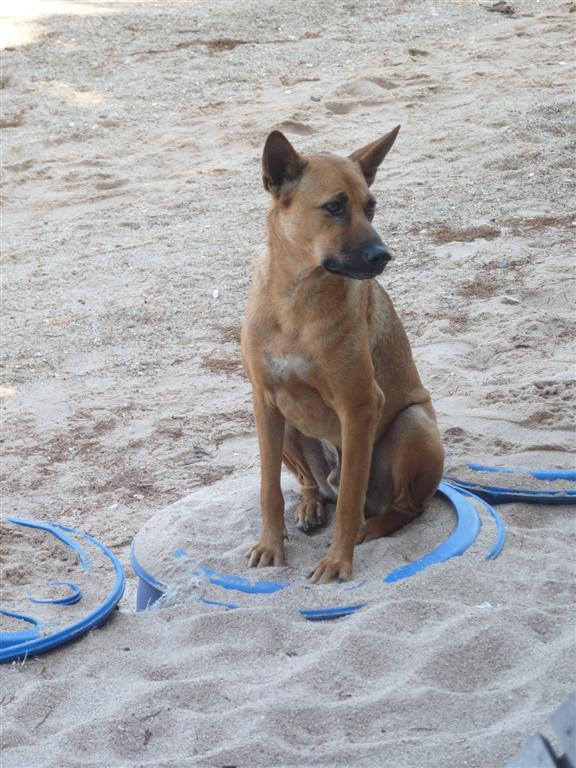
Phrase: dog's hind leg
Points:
(316, 465)
(407, 466)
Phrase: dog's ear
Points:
(370, 156)
(280, 163)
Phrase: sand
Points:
(132, 213)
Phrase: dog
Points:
(336, 393)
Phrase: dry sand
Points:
(133, 210)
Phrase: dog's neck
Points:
(304, 288)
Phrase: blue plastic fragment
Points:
(73, 597)
(325, 614)
(17, 637)
(240, 584)
(498, 545)
(150, 589)
(93, 619)
(146, 594)
(554, 474)
(465, 533)
(539, 474)
(498, 495)
(502, 495)
(57, 531)
(229, 606)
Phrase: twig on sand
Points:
(43, 720)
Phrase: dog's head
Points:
(324, 207)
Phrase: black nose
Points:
(376, 255)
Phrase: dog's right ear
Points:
(370, 156)
(280, 163)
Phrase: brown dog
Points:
(336, 393)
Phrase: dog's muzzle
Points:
(369, 263)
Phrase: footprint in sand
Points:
(417, 53)
(14, 120)
(418, 77)
(360, 92)
(20, 167)
(340, 107)
(365, 88)
(111, 184)
(293, 126)
(480, 660)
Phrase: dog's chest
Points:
(293, 386)
(281, 368)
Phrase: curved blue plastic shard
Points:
(146, 595)
(73, 597)
(554, 474)
(498, 545)
(54, 529)
(465, 533)
(326, 614)
(92, 620)
(539, 474)
(229, 606)
(150, 589)
(240, 584)
(142, 573)
(500, 495)
(8, 639)
(496, 495)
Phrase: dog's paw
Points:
(310, 514)
(331, 569)
(266, 552)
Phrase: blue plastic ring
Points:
(92, 620)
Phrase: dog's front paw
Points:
(311, 513)
(332, 568)
(266, 552)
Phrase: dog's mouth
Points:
(332, 266)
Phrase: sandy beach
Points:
(133, 210)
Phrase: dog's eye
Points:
(370, 208)
(335, 208)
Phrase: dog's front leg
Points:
(269, 550)
(358, 424)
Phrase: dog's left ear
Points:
(370, 156)
(280, 163)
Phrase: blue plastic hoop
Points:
(95, 618)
